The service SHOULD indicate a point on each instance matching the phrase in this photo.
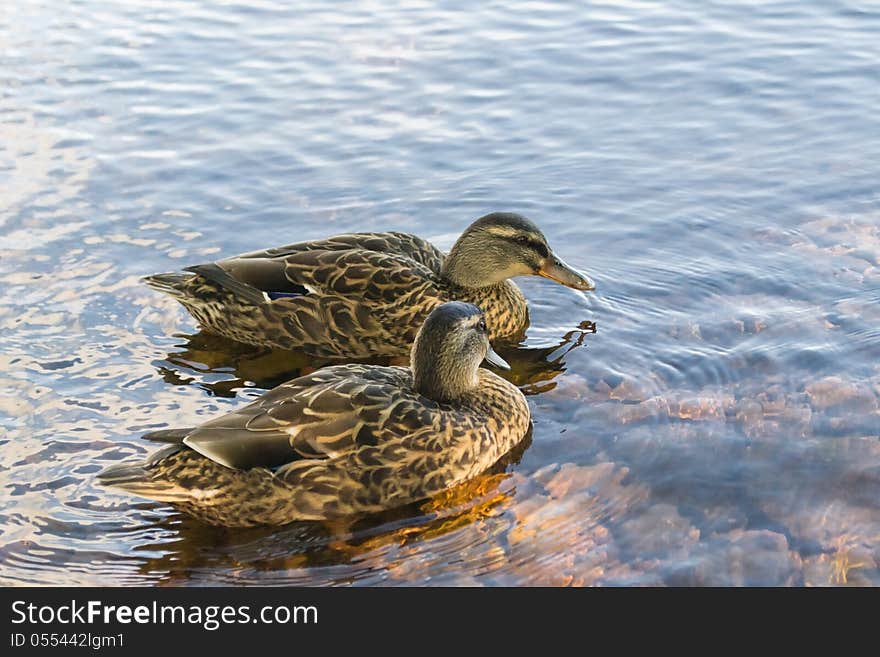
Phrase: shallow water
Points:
(710, 415)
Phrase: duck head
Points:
(502, 245)
(448, 350)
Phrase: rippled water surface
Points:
(708, 416)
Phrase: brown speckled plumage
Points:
(344, 440)
(366, 294)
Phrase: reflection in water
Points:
(310, 545)
(555, 528)
(207, 357)
(533, 369)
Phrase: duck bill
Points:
(557, 270)
(494, 359)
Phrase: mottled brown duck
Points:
(345, 440)
(366, 294)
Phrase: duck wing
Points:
(402, 244)
(318, 416)
(369, 266)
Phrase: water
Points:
(714, 166)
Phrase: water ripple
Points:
(710, 415)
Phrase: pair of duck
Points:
(355, 439)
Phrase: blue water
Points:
(713, 166)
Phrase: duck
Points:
(363, 295)
(346, 440)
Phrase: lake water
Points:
(708, 416)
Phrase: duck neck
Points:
(468, 265)
(439, 375)
(507, 312)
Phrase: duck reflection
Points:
(533, 369)
(222, 367)
(190, 548)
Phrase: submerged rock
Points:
(740, 558)
(561, 534)
(833, 391)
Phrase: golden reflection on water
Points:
(550, 530)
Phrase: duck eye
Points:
(521, 239)
(481, 325)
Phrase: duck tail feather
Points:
(216, 274)
(168, 435)
(170, 283)
(123, 474)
